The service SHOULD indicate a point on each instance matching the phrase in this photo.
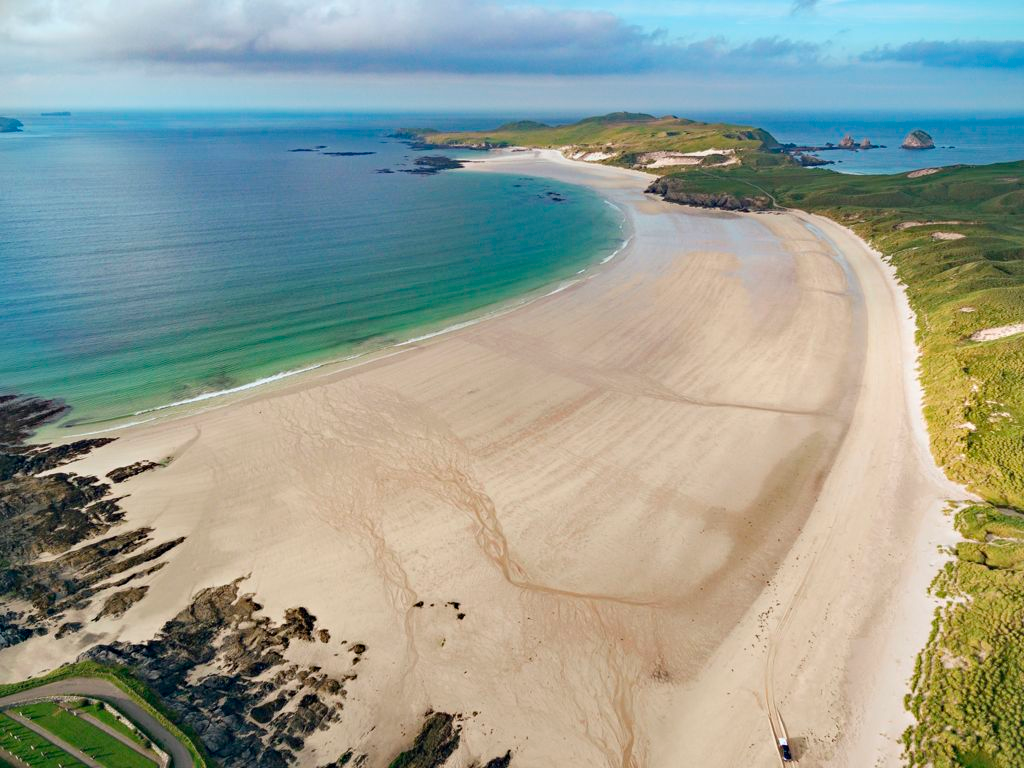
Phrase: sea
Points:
(959, 139)
(156, 262)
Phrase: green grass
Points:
(967, 694)
(45, 754)
(100, 746)
(102, 712)
(123, 679)
(622, 133)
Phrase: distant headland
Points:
(55, 114)
(10, 125)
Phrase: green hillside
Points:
(623, 135)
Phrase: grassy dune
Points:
(622, 134)
(968, 689)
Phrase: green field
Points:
(31, 748)
(968, 689)
(105, 716)
(100, 746)
(624, 134)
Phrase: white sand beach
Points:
(688, 488)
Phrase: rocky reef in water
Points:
(669, 190)
(63, 544)
(918, 139)
(431, 164)
(10, 125)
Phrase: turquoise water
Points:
(148, 260)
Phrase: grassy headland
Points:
(621, 138)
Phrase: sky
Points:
(526, 57)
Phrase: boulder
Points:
(918, 139)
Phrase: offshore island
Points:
(689, 499)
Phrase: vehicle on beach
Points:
(784, 751)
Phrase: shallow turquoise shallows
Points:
(148, 260)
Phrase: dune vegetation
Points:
(967, 693)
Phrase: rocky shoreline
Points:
(669, 191)
(54, 549)
(220, 665)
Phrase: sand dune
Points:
(692, 478)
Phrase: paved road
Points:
(101, 689)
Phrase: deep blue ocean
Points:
(153, 258)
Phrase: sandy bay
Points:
(688, 485)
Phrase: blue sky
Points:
(529, 56)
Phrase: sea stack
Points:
(865, 143)
(847, 142)
(918, 139)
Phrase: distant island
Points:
(55, 114)
(918, 139)
(10, 125)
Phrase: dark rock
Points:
(210, 663)
(431, 164)
(500, 762)
(118, 603)
(121, 474)
(918, 139)
(347, 154)
(67, 629)
(670, 190)
(436, 742)
(63, 516)
(10, 125)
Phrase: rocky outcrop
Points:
(121, 474)
(58, 547)
(671, 191)
(918, 139)
(847, 142)
(431, 164)
(220, 666)
(118, 603)
(10, 125)
(435, 743)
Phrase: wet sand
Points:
(684, 487)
